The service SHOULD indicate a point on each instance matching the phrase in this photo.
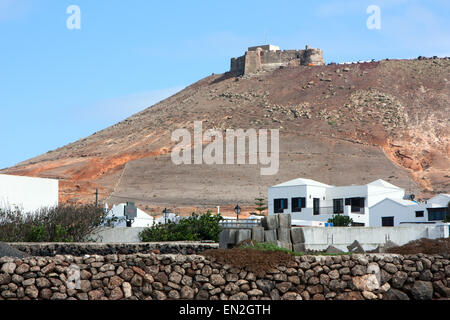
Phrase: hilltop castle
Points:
(269, 57)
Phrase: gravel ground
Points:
(8, 251)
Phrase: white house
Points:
(28, 194)
(441, 200)
(116, 217)
(378, 203)
(399, 211)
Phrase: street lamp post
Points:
(165, 211)
(237, 209)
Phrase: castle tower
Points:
(269, 57)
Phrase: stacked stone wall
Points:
(176, 276)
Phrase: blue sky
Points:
(59, 85)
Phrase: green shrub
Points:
(193, 228)
(65, 223)
(341, 221)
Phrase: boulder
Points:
(398, 279)
(284, 245)
(284, 220)
(227, 237)
(333, 250)
(242, 235)
(299, 247)
(440, 288)
(265, 285)
(8, 251)
(258, 234)
(271, 222)
(422, 290)
(297, 235)
(270, 236)
(368, 282)
(355, 247)
(394, 294)
(284, 234)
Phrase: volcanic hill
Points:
(339, 124)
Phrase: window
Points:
(316, 206)
(419, 214)
(338, 205)
(297, 204)
(280, 205)
(357, 204)
(387, 221)
(436, 214)
(358, 224)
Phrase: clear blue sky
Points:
(59, 85)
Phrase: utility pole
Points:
(96, 197)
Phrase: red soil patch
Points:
(259, 262)
(425, 246)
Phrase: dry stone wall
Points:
(177, 276)
(80, 249)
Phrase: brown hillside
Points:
(338, 124)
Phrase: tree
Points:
(341, 221)
(261, 205)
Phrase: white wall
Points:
(441, 200)
(401, 213)
(377, 194)
(319, 238)
(142, 219)
(116, 235)
(372, 195)
(27, 193)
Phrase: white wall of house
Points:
(28, 194)
(142, 219)
(403, 211)
(441, 200)
(381, 199)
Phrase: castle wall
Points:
(313, 56)
(262, 58)
(237, 66)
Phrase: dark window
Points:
(419, 214)
(357, 204)
(297, 204)
(280, 205)
(436, 214)
(387, 221)
(358, 224)
(316, 206)
(338, 205)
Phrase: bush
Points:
(65, 223)
(341, 221)
(193, 228)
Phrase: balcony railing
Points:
(240, 224)
(326, 210)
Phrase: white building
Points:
(27, 194)
(116, 217)
(378, 203)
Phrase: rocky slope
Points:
(338, 124)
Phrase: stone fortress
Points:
(270, 57)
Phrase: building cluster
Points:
(309, 202)
(376, 204)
